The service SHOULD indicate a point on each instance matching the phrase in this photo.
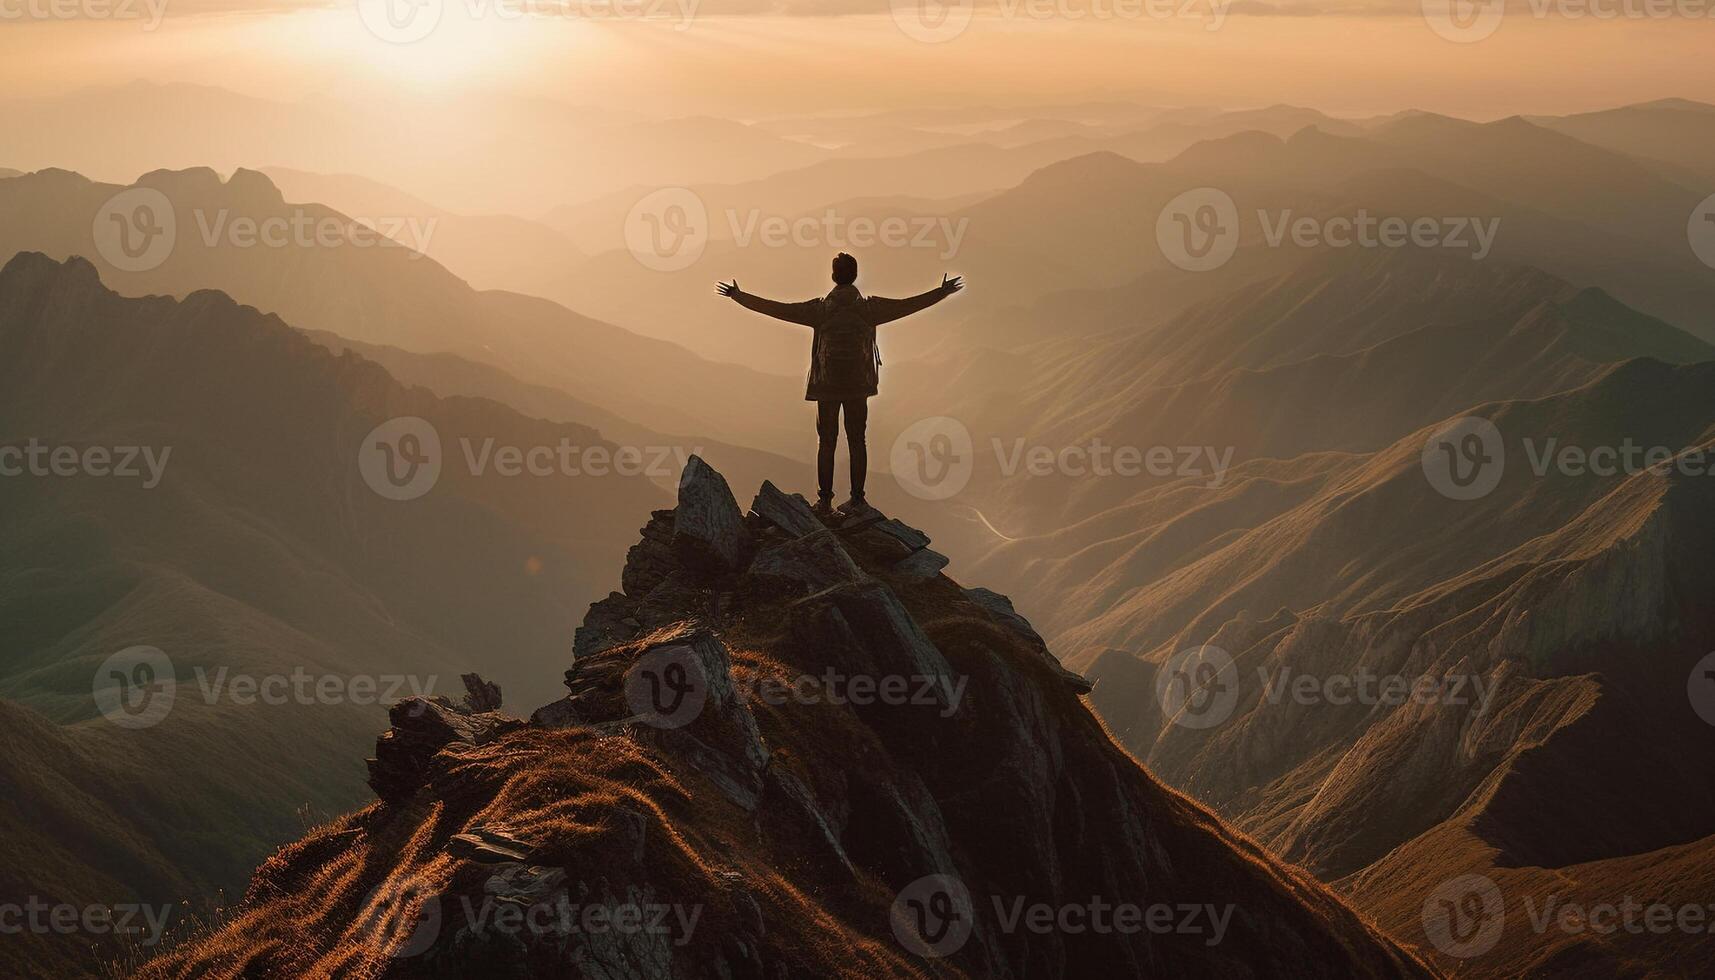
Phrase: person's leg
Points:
(827, 439)
(857, 418)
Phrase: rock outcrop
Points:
(422, 727)
(782, 755)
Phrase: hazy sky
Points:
(716, 58)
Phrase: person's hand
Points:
(728, 289)
(951, 284)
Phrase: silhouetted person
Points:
(845, 365)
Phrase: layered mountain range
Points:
(1324, 522)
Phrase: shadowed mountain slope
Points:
(259, 552)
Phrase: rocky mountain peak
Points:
(796, 748)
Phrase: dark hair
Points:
(845, 269)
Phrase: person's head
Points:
(845, 269)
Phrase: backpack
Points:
(845, 343)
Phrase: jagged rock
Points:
(789, 512)
(526, 884)
(863, 630)
(899, 645)
(888, 540)
(789, 792)
(609, 622)
(904, 533)
(651, 559)
(489, 845)
(708, 528)
(811, 563)
(704, 722)
(480, 695)
(851, 522)
(1000, 609)
(421, 728)
(920, 566)
(558, 714)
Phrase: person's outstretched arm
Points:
(804, 314)
(884, 310)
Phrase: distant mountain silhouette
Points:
(490, 251)
(393, 296)
(1071, 231)
(1676, 132)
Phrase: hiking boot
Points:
(856, 505)
(824, 506)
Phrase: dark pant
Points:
(828, 437)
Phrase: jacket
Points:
(875, 310)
